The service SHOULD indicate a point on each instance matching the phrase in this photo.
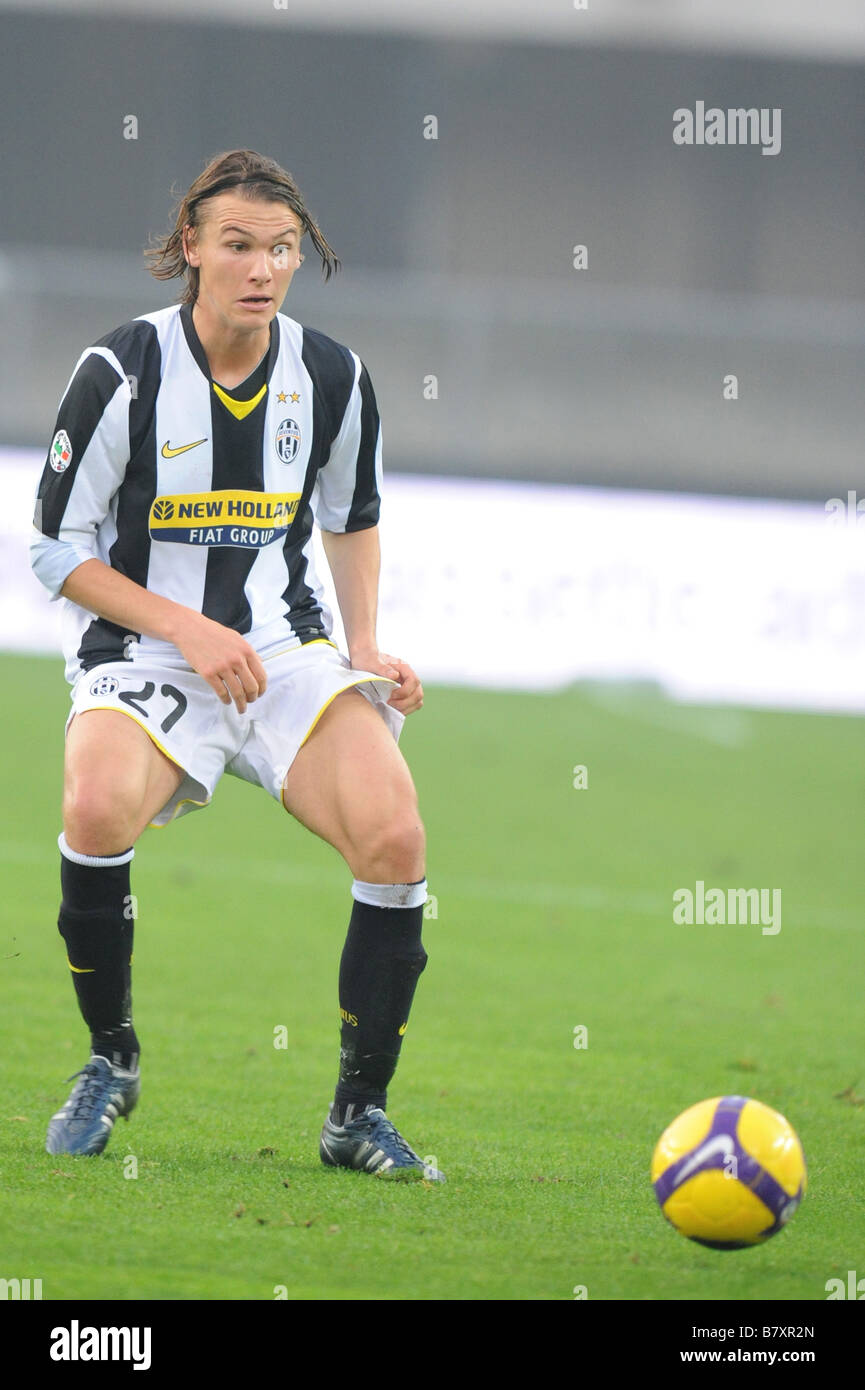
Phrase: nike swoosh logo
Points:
(402, 1029)
(169, 453)
(721, 1144)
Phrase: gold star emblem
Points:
(282, 397)
(295, 397)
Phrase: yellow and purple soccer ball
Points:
(729, 1172)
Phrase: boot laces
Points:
(90, 1092)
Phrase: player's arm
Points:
(354, 559)
(86, 466)
(225, 659)
(346, 507)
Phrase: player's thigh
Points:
(350, 784)
(116, 780)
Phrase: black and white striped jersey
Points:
(205, 495)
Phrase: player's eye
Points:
(241, 245)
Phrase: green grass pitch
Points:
(554, 910)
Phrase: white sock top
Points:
(390, 894)
(93, 861)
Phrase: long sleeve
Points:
(85, 466)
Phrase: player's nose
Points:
(261, 267)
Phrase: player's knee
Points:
(396, 850)
(96, 820)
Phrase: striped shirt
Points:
(205, 495)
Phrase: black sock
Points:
(378, 974)
(96, 922)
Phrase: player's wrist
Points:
(180, 622)
(357, 651)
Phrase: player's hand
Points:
(225, 659)
(409, 696)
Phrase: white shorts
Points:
(190, 724)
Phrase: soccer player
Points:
(194, 448)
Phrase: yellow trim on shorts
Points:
(316, 642)
(149, 732)
(362, 680)
(184, 801)
(94, 709)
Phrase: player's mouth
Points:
(255, 301)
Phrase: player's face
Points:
(246, 253)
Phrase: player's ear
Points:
(188, 236)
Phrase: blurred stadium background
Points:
(579, 503)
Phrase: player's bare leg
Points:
(351, 786)
(116, 781)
